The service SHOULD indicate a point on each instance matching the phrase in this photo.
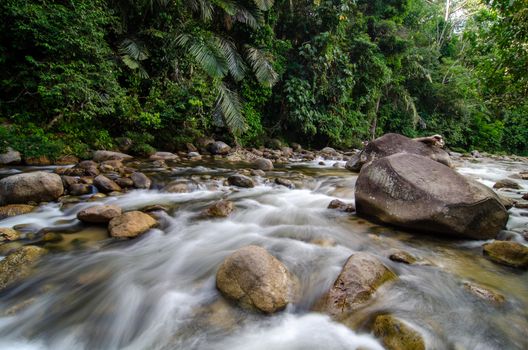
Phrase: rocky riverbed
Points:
(248, 249)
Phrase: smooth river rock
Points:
(38, 186)
(105, 185)
(361, 275)
(10, 157)
(17, 265)
(220, 209)
(218, 147)
(130, 224)
(15, 209)
(390, 144)
(100, 156)
(99, 214)
(397, 334)
(255, 279)
(263, 164)
(415, 192)
(240, 181)
(507, 253)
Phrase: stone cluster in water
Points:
(252, 277)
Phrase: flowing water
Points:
(158, 291)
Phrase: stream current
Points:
(158, 291)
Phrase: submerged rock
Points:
(99, 213)
(507, 253)
(390, 144)
(397, 334)
(17, 265)
(340, 205)
(507, 183)
(38, 186)
(484, 293)
(255, 279)
(240, 181)
(361, 275)
(220, 209)
(403, 257)
(415, 192)
(15, 209)
(163, 156)
(131, 224)
(284, 182)
(8, 234)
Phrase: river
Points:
(158, 291)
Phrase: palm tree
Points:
(212, 50)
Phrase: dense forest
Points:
(84, 74)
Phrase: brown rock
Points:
(105, 185)
(100, 156)
(507, 183)
(240, 181)
(80, 189)
(37, 161)
(8, 234)
(507, 253)
(397, 335)
(263, 164)
(362, 274)
(220, 209)
(163, 156)
(403, 257)
(17, 265)
(340, 205)
(484, 293)
(124, 182)
(99, 213)
(65, 160)
(15, 209)
(255, 279)
(130, 224)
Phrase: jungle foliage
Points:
(78, 74)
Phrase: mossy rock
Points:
(18, 265)
(396, 334)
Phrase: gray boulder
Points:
(141, 180)
(415, 192)
(390, 144)
(38, 186)
(218, 147)
(10, 157)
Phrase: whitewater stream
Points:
(158, 291)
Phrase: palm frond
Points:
(134, 49)
(235, 64)
(410, 105)
(264, 5)
(230, 107)
(203, 7)
(207, 53)
(260, 62)
(245, 16)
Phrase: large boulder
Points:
(99, 213)
(17, 265)
(10, 157)
(38, 186)
(390, 144)
(101, 156)
(255, 279)
(361, 275)
(507, 253)
(131, 224)
(415, 192)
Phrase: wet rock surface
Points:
(255, 279)
(99, 213)
(415, 192)
(130, 224)
(38, 186)
(507, 253)
(396, 334)
(18, 265)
